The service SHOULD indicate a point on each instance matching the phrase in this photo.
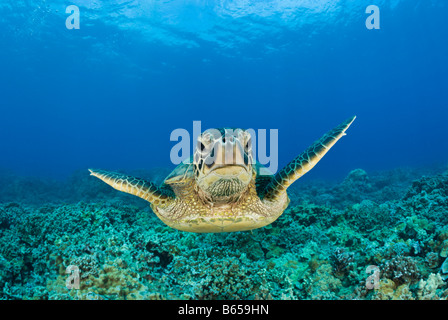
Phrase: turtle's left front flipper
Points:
(304, 162)
(146, 190)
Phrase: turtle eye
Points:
(248, 145)
(200, 146)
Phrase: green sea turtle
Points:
(221, 189)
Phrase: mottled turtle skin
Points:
(221, 189)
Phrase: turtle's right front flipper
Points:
(146, 190)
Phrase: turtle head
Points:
(223, 163)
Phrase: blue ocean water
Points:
(110, 93)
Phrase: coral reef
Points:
(401, 269)
(320, 248)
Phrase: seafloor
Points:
(320, 248)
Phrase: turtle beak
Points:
(224, 169)
(229, 158)
(232, 170)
